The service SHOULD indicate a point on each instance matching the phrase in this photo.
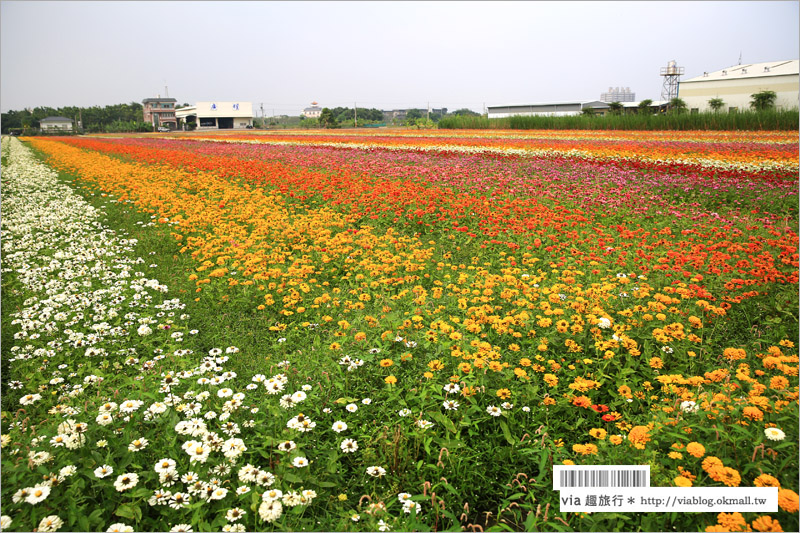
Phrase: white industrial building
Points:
(217, 115)
(735, 86)
(554, 109)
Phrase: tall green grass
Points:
(745, 120)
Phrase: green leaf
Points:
(125, 511)
(506, 432)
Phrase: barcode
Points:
(591, 476)
(603, 478)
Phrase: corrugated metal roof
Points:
(752, 70)
(56, 119)
(146, 100)
(594, 103)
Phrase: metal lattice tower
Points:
(672, 72)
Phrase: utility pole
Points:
(428, 116)
(355, 111)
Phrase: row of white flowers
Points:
(118, 417)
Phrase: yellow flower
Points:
(681, 481)
(504, 394)
(391, 380)
(386, 363)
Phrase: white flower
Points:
(306, 387)
(349, 445)
(404, 412)
(494, 411)
(126, 481)
(287, 446)
(298, 396)
(351, 407)
(409, 506)
(774, 434)
(119, 528)
(224, 393)
(235, 514)
(300, 462)
(137, 445)
(689, 407)
(50, 523)
(603, 323)
(366, 401)
(383, 526)
(270, 511)
(355, 517)
(144, 329)
(181, 528)
(165, 465)
(37, 494)
(376, 471)
(5, 522)
(403, 497)
(526, 409)
(450, 405)
(103, 471)
(339, 426)
(452, 388)
(271, 495)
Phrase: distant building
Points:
(217, 115)
(160, 112)
(400, 114)
(735, 86)
(618, 94)
(312, 112)
(56, 124)
(547, 109)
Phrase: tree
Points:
(413, 114)
(716, 104)
(644, 106)
(587, 111)
(464, 112)
(761, 101)
(327, 119)
(676, 105)
(615, 108)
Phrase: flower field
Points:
(394, 330)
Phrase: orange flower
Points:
(504, 394)
(695, 449)
(639, 436)
(765, 480)
(615, 439)
(391, 380)
(787, 500)
(753, 413)
(766, 523)
(386, 363)
(711, 463)
(733, 521)
(582, 401)
(729, 476)
(681, 481)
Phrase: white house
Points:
(735, 86)
(56, 124)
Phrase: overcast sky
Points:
(379, 54)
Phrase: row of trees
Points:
(345, 116)
(760, 101)
(111, 118)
